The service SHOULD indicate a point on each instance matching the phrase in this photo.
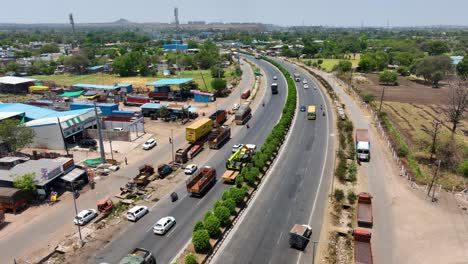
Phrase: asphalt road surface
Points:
(294, 192)
(187, 210)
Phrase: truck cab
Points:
(139, 256)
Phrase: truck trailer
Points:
(136, 100)
(364, 210)
(198, 129)
(243, 115)
(219, 136)
(363, 145)
(219, 117)
(362, 246)
(230, 176)
(199, 182)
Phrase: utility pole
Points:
(76, 211)
(172, 144)
(110, 143)
(63, 136)
(381, 98)
(433, 180)
(101, 144)
(313, 251)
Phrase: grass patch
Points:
(328, 64)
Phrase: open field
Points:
(328, 64)
(137, 81)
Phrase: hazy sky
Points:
(285, 12)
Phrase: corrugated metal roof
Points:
(95, 86)
(31, 112)
(15, 80)
(170, 82)
(62, 116)
(5, 115)
(151, 106)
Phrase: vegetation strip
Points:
(218, 221)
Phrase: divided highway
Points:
(187, 210)
(294, 191)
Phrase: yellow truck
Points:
(198, 129)
(230, 176)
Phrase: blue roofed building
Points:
(125, 87)
(176, 45)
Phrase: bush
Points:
(462, 169)
(208, 214)
(351, 197)
(198, 226)
(341, 170)
(388, 77)
(402, 150)
(255, 172)
(367, 97)
(352, 172)
(239, 180)
(250, 178)
(226, 195)
(191, 259)
(201, 240)
(237, 194)
(212, 225)
(338, 195)
(223, 214)
(230, 204)
(217, 204)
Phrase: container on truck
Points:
(243, 114)
(219, 117)
(139, 256)
(362, 246)
(245, 94)
(362, 144)
(274, 88)
(364, 210)
(299, 236)
(158, 95)
(230, 176)
(199, 182)
(198, 129)
(297, 77)
(188, 152)
(136, 100)
(219, 136)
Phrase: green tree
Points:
(230, 204)
(433, 69)
(217, 204)
(49, 48)
(462, 68)
(388, 77)
(217, 71)
(437, 47)
(77, 63)
(239, 180)
(198, 226)
(223, 214)
(212, 225)
(190, 259)
(218, 84)
(192, 44)
(338, 195)
(237, 194)
(208, 55)
(12, 66)
(163, 111)
(343, 66)
(208, 214)
(250, 178)
(25, 182)
(367, 64)
(15, 135)
(462, 169)
(226, 195)
(201, 240)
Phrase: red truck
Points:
(219, 136)
(199, 182)
(245, 94)
(243, 114)
(364, 210)
(136, 100)
(362, 246)
(219, 117)
(182, 155)
(159, 95)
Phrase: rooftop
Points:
(15, 80)
(163, 82)
(35, 112)
(99, 86)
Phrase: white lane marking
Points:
(279, 238)
(171, 231)
(323, 167)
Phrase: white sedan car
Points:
(304, 81)
(190, 169)
(236, 147)
(149, 144)
(275, 78)
(236, 107)
(85, 216)
(163, 225)
(306, 86)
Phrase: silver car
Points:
(85, 216)
(163, 225)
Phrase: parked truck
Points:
(230, 176)
(219, 136)
(158, 95)
(199, 182)
(243, 114)
(297, 77)
(362, 246)
(144, 173)
(136, 100)
(219, 117)
(363, 145)
(2, 216)
(364, 210)
(139, 256)
(299, 236)
(198, 129)
(188, 152)
(274, 88)
(239, 159)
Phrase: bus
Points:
(311, 114)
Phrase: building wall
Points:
(48, 137)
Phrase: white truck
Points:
(363, 145)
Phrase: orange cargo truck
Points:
(199, 182)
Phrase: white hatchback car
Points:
(163, 225)
(236, 147)
(304, 81)
(83, 217)
(190, 169)
(236, 107)
(136, 212)
(275, 78)
(149, 144)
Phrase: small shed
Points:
(15, 85)
(202, 97)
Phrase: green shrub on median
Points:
(201, 240)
